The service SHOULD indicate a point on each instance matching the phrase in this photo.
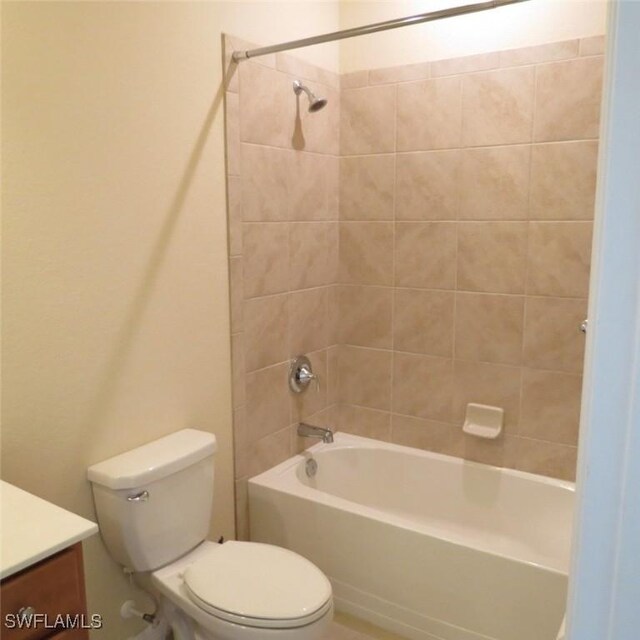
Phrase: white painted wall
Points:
(605, 583)
(115, 292)
(529, 23)
(266, 22)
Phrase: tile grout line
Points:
(528, 248)
(454, 330)
(494, 67)
(495, 145)
(456, 424)
(393, 263)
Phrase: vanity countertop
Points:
(32, 529)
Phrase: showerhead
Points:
(315, 103)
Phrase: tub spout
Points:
(309, 431)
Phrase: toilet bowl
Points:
(244, 591)
(154, 505)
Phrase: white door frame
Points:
(604, 591)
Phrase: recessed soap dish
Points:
(483, 421)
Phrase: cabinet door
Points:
(50, 588)
(69, 634)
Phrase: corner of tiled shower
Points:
(282, 167)
(424, 239)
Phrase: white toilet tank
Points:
(154, 502)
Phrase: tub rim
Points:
(344, 440)
(273, 480)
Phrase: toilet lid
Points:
(259, 585)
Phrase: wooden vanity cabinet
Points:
(52, 587)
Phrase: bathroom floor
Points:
(346, 627)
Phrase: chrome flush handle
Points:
(143, 496)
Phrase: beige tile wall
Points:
(282, 187)
(424, 239)
(466, 206)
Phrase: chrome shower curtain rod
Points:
(239, 56)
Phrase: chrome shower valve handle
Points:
(305, 376)
(301, 375)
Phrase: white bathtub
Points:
(426, 545)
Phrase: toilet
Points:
(154, 505)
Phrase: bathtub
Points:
(424, 545)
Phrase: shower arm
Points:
(239, 56)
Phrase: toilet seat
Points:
(258, 585)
